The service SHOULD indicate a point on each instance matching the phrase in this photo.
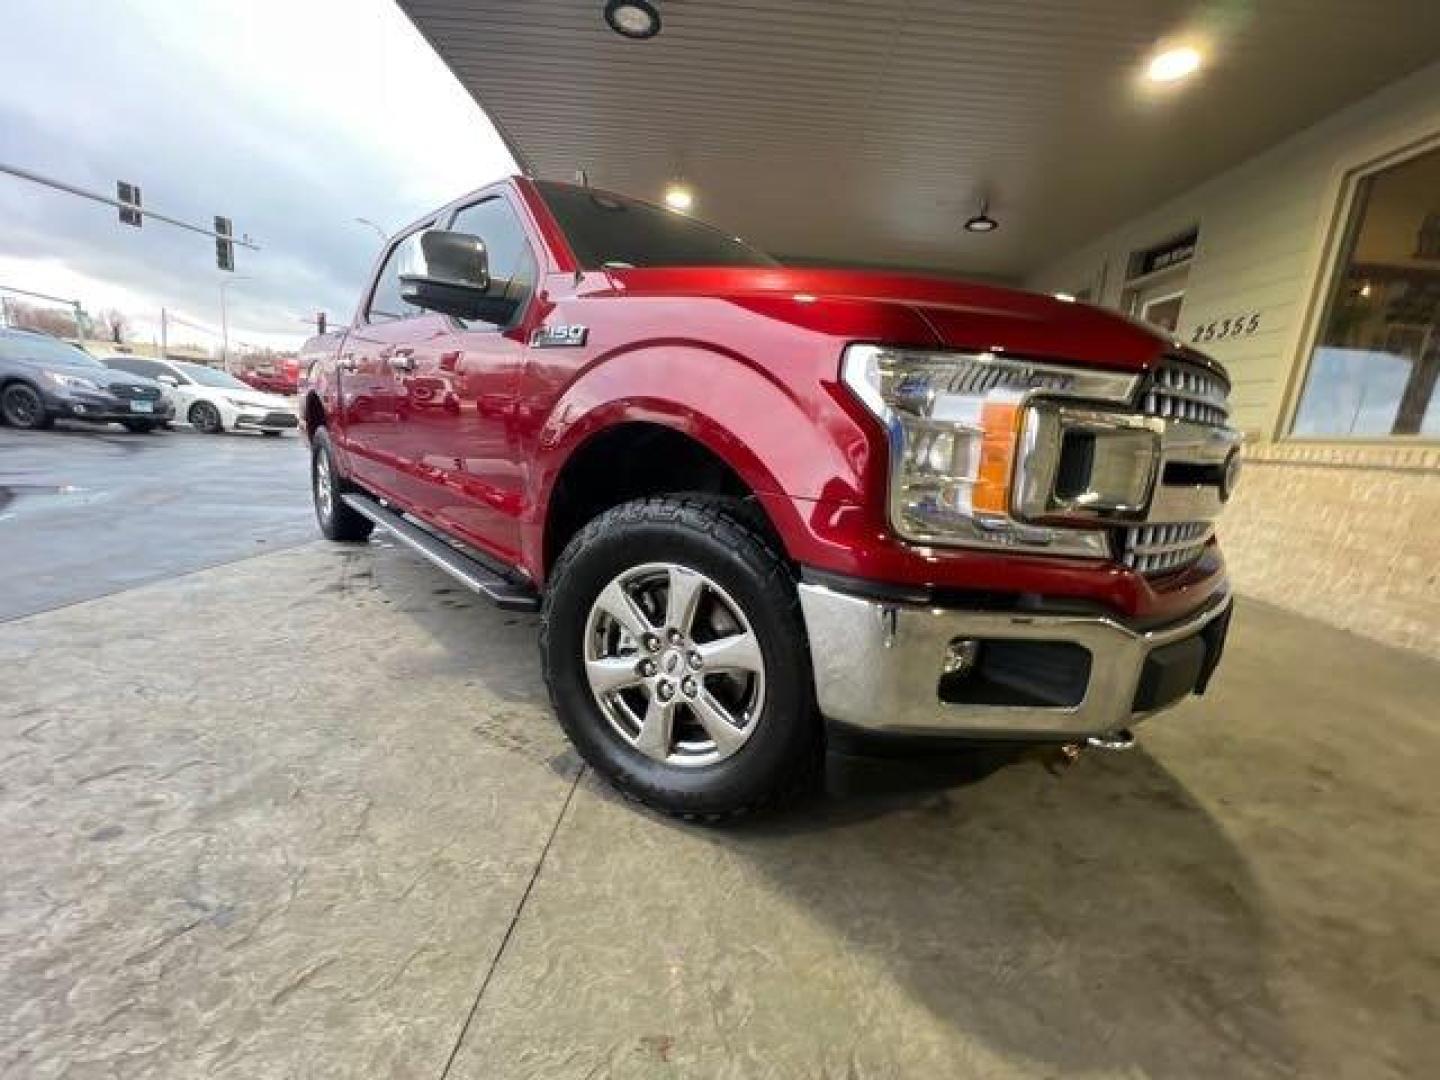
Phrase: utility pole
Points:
(225, 322)
(164, 336)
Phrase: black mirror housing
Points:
(455, 279)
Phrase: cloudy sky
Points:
(291, 117)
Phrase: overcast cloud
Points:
(292, 118)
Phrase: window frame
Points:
(452, 214)
(1327, 275)
(390, 249)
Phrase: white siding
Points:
(1263, 226)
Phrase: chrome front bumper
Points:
(878, 666)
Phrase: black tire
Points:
(139, 427)
(205, 417)
(782, 755)
(22, 406)
(337, 521)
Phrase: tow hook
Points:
(1119, 740)
(1069, 753)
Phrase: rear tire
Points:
(696, 696)
(337, 521)
(22, 406)
(205, 417)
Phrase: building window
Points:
(1373, 371)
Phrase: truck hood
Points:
(960, 314)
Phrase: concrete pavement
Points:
(307, 814)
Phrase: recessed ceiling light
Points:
(634, 19)
(1173, 65)
(679, 197)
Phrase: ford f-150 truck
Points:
(750, 499)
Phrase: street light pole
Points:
(384, 236)
(225, 322)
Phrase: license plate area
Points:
(142, 406)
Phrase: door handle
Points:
(401, 360)
(346, 362)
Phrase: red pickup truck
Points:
(750, 499)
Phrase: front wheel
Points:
(206, 417)
(22, 407)
(676, 659)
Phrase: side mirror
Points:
(454, 279)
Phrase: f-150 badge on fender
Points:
(552, 336)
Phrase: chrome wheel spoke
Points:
(738, 652)
(718, 723)
(655, 727)
(612, 673)
(641, 668)
(621, 606)
(684, 591)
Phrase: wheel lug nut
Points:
(696, 660)
(690, 687)
(646, 668)
(652, 643)
(675, 637)
(666, 690)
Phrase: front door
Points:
(458, 429)
(371, 396)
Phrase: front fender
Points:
(780, 440)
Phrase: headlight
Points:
(72, 382)
(954, 423)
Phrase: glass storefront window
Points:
(1376, 364)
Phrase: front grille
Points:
(130, 392)
(279, 419)
(1183, 391)
(1159, 549)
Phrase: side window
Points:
(134, 367)
(513, 268)
(385, 302)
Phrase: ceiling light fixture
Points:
(679, 197)
(1172, 65)
(634, 19)
(982, 222)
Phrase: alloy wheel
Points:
(674, 665)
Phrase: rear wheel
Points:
(337, 521)
(676, 659)
(205, 417)
(22, 407)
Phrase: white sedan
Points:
(211, 400)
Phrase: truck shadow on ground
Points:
(1091, 918)
(1097, 919)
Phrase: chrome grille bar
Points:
(1157, 549)
(1181, 391)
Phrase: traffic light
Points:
(224, 247)
(129, 194)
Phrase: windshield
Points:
(209, 376)
(610, 229)
(39, 349)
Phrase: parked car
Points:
(212, 400)
(43, 378)
(272, 382)
(744, 496)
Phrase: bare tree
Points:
(116, 323)
(47, 320)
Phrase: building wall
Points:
(1347, 532)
